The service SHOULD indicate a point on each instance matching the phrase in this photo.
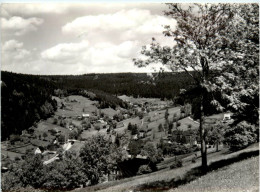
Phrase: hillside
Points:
(241, 176)
(25, 100)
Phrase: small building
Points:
(85, 115)
(135, 137)
(4, 169)
(141, 134)
(227, 116)
(37, 151)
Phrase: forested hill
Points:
(25, 99)
(164, 85)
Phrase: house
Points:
(227, 117)
(135, 137)
(141, 134)
(85, 115)
(102, 121)
(4, 169)
(37, 151)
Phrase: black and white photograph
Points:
(129, 96)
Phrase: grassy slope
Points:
(161, 176)
(241, 176)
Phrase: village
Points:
(78, 119)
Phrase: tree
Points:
(150, 151)
(33, 171)
(166, 115)
(73, 134)
(215, 134)
(135, 147)
(66, 174)
(99, 157)
(144, 169)
(55, 121)
(214, 41)
(129, 127)
(61, 138)
(134, 130)
(14, 138)
(240, 136)
(45, 135)
(160, 128)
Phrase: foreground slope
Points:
(168, 179)
(241, 176)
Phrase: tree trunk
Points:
(203, 138)
(217, 146)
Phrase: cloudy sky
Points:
(78, 38)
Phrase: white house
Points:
(85, 115)
(37, 151)
(227, 117)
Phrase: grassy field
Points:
(76, 105)
(241, 176)
(44, 126)
(10, 154)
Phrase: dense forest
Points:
(25, 100)
(160, 85)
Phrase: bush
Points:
(144, 169)
(240, 136)
(193, 160)
(55, 121)
(176, 164)
(97, 127)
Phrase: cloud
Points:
(76, 39)
(14, 54)
(65, 52)
(78, 58)
(19, 25)
(14, 50)
(12, 45)
(29, 9)
(123, 24)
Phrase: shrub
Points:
(193, 160)
(160, 128)
(55, 121)
(97, 127)
(144, 169)
(240, 136)
(176, 164)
